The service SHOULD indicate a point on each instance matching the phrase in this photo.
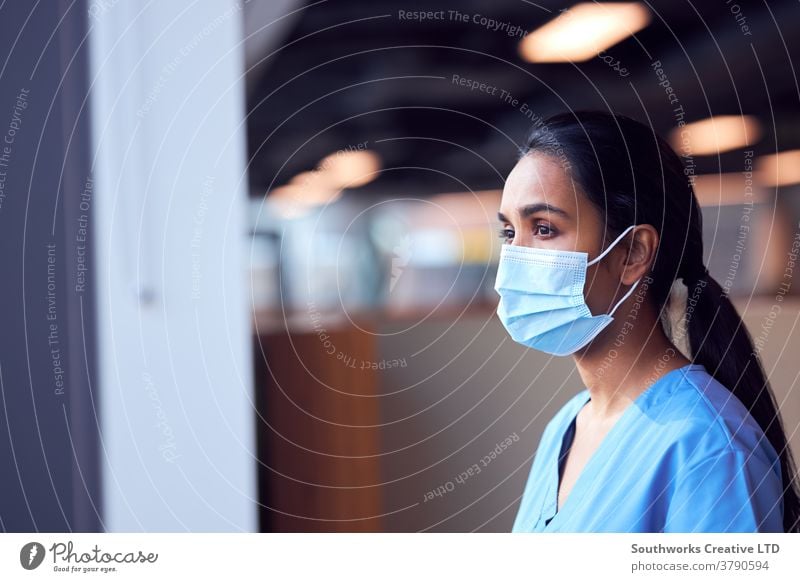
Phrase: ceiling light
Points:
(728, 189)
(717, 134)
(296, 199)
(583, 31)
(779, 169)
(350, 169)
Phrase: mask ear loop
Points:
(601, 255)
(611, 246)
(624, 297)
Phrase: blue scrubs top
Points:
(685, 456)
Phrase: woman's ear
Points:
(641, 247)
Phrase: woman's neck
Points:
(631, 358)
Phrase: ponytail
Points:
(720, 342)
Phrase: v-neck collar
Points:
(551, 497)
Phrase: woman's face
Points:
(543, 207)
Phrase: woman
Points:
(656, 442)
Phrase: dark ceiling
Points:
(354, 71)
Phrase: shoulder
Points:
(724, 473)
(702, 419)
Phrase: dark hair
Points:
(634, 177)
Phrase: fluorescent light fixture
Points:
(717, 134)
(729, 189)
(297, 199)
(781, 169)
(583, 31)
(338, 171)
(350, 169)
(313, 179)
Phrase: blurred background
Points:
(290, 209)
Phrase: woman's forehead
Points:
(537, 178)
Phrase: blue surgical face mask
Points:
(541, 298)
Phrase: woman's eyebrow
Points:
(527, 210)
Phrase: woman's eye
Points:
(543, 230)
(506, 234)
